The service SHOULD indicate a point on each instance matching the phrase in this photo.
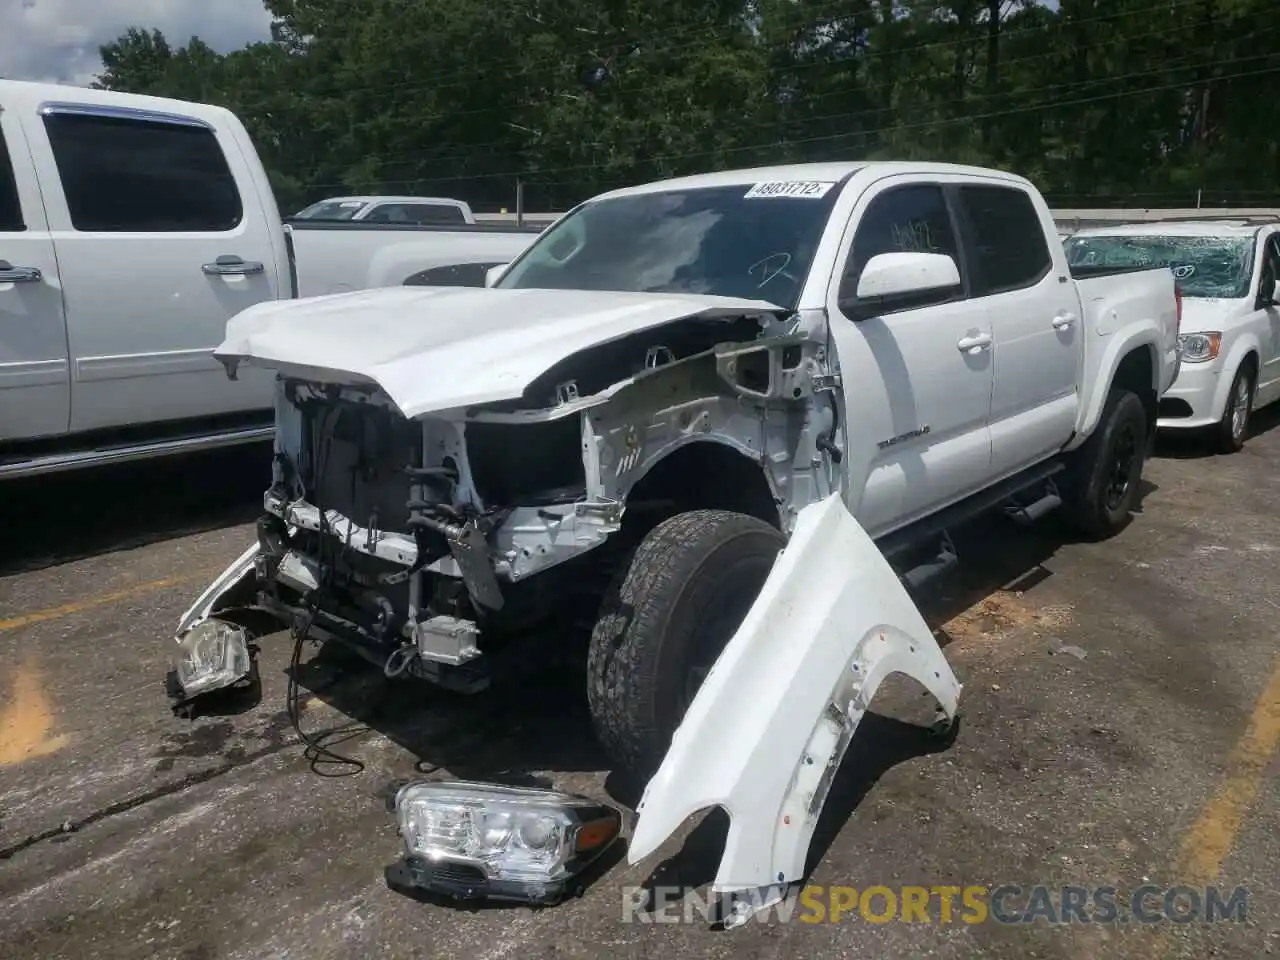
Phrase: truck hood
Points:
(440, 348)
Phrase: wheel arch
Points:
(1245, 350)
(1132, 364)
(704, 473)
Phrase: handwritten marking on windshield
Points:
(778, 261)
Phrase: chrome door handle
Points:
(229, 265)
(974, 344)
(1063, 321)
(11, 274)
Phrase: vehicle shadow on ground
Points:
(1173, 445)
(513, 733)
(70, 516)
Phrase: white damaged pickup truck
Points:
(702, 431)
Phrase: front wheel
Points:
(1234, 426)
(664, 621)
(1103, 483)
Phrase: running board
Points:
(946, 559)
(1029, 513)
(936, 525)
(125, 453)
(896, 544)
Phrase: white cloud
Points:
(58, 40)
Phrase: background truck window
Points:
(143, 176)
(1010, 250)
(420, 213)
(910, 219)
(10, 208)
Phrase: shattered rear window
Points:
(1207, 267)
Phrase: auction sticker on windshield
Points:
(807, 189)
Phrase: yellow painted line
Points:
(1211, 837)
(26, 720)
(102, 599)
(1209, 840)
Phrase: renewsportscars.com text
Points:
(944, 904)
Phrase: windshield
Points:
(742, 241)
(331, 210)
(1202, 266)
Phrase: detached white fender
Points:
(770, 724)
(207, 603)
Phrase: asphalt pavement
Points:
(1120, 725)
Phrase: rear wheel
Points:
(1103, 483)
(667, 616)
(1231, 431)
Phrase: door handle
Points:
(11, 274)
(1063, 321)
(229, 265)
(974, 344)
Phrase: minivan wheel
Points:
(1234, 426)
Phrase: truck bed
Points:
(1083, 271)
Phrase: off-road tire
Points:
(1091, 504)
(672, 606)
(1225, 437)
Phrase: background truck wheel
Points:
(674, 604)
(1229, 434)
(1103, 483)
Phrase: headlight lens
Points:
(213, 654)
(481, 840)
(1199, 347)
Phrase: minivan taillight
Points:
(1177, 298)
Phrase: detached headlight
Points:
(483, 841)
(213, 654)
(1199, 347)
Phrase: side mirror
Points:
(493, 273)
(893, 274)
(889, 278)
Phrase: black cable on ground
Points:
(315, 750)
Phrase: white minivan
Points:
(1227, 273)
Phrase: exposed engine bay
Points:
(416, 541)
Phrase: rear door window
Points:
(142, 175)
(1009, 245)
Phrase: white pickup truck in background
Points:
(605, 449)
(442, 211)
(131, 229)
(1228, 274)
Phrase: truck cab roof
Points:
(825, 172)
